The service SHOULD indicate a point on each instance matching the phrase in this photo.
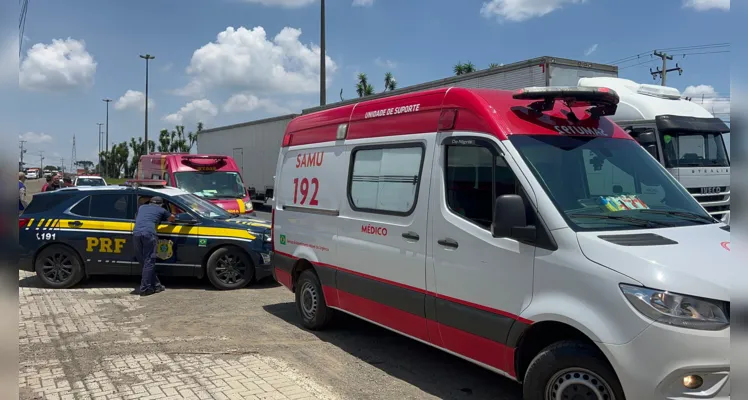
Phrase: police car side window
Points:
(82, 208)
(111, 206)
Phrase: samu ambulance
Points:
(524, 232)
(213, 177)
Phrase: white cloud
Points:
(35, 138)
(246, 59)
(193, 112)
(385, 63)
(167, 67)
(522, 10)
(704, 5)
(61, 65)
(363, 3)
(706, 96)
(133, 99)
(282, 3)
(245, 102)
(591, 50)
(9, 61)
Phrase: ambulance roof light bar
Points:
(204, 157)
(602, 101)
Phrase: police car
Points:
(72, 233)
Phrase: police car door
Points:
(104, 222)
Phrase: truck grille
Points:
(716, 200)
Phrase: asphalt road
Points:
(98, 338)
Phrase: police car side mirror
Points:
(184, 219)
(510, 219)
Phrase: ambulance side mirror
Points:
(510, 219)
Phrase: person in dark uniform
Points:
(145, 237)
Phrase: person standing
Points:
(21, 192)
(47, 185)
(145, 237)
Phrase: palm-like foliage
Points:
(464, 68)
(363, 87)
(389, 82)
(493, 65)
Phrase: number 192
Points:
(302, 187)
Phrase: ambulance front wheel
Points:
(310, 302)
(229, 268)
(59, 267)
(571, 370)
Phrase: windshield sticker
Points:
(622, 203)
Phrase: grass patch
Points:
(116, 181)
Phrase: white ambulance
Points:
(524, 232)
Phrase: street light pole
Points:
(147, 58)
(99, 153)
(322, 79)
(106, 143)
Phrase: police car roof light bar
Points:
(601, 101)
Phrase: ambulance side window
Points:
(385, 179)
(110, 206)
(474, 177)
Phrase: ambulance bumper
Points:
(653, 365)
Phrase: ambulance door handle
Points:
(75, 224)
(411, 236)
(448, 242)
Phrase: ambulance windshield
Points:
(212, 185)
(607, 184)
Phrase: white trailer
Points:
(683, 136)
(255, 145)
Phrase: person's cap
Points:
(156, 200)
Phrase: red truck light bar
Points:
(204, 162)
(602, 101)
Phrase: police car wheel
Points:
(229, 269)
(310, 302)
(571, 370)
(59, 267)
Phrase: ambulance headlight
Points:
(248, 205)
(679, 310)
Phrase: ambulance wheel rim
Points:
(309, 300)
(578, 384)
(230, 269)
(58, 267)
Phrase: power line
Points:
(681, 48)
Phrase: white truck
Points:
(683, 136)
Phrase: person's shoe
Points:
(159, 288)
(147, 292)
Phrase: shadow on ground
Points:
(431, 370)
(133, 282)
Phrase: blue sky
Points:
(246, 76)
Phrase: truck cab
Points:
(213, 177)
(681, 135)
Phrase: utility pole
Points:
(664, 71)
(322, 79)
(106, 143)
(98, 166)
(22, 151)
(73, 157)
(62, 165)
(41, 162)
(147, 58)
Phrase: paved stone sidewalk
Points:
(90, 343)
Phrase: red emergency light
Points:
(601, 101)
(205, 162)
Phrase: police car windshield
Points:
(603, 183)
(203, 208)
(212, 185)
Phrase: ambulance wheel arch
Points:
(79, 270)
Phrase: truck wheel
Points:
(310, 302)
(571, 370)
(59, 267)
(229, 269)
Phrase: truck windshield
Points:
(203, 208)
(700, 149)
(607, 184)
(212, 185)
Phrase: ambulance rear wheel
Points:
(59, 267)
(310, 302)
(229, 268)
(571, 370)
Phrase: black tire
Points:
(570, 367)
(310, 302)
(59, 267)
(229, 268)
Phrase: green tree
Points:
(138, 149)
(177, 141)
(462, 69)
(86, 165)
(363, 87)
(389, 82)
(493, 65)
(114, 162)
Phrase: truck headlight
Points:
(248, 205)
(678, 310)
